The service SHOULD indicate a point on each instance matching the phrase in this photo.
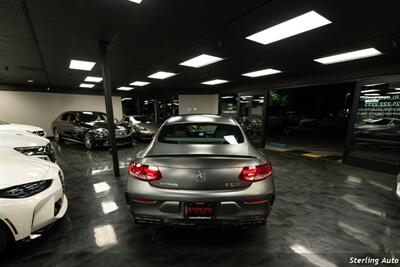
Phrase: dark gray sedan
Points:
(200, 169)
(144, 126)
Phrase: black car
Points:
(89, 128)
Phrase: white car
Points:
(6, 126)
(31, 196)
(27, 144)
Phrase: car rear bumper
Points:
(226, 212)
(249, 205)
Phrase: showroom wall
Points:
(195, 104)
(40, 109)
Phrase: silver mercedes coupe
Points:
(200, 169)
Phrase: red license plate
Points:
(200, 210)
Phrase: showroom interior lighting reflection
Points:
(348, 56)
(370, 91)
(201, 61)
(105, 236)
(109, 206)
(101, 187)
(303, 23)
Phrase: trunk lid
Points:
(200, 172)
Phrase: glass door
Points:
(251, 116)
(374, 140)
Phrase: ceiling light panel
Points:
(81, 65)
(86, 85)
(93, 79)
(136, 1)
(139, 83)
(260, 73)
(124, 88)
(201, 61)
(353, 55)
(303, 23)
(161, 75)
(215, 82)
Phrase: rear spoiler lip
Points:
(201, 155)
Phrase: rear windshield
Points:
(92, 116)
(201, 133)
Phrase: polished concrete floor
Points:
(324, 214)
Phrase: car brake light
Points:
(144, 172)
(256, 173)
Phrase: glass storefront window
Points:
(148, 108)
(376, 133)
(167, 107)
(251, 117)
(229, 105)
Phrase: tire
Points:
(57, 136)
(4, 239)
(89, 142)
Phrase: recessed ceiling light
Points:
(126, 98)
(357, 54)
(214, 82)
(124, 88)
(260, 73)
(81, 65)
(201, 61)
(86, 85)
(139, 83)
(306, 22)
(31, 81)
(93, 79)
(136, 1)
(161, 75)
(370, 91)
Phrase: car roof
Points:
(200, 118)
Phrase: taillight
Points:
(256, 173)
(144, 172)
